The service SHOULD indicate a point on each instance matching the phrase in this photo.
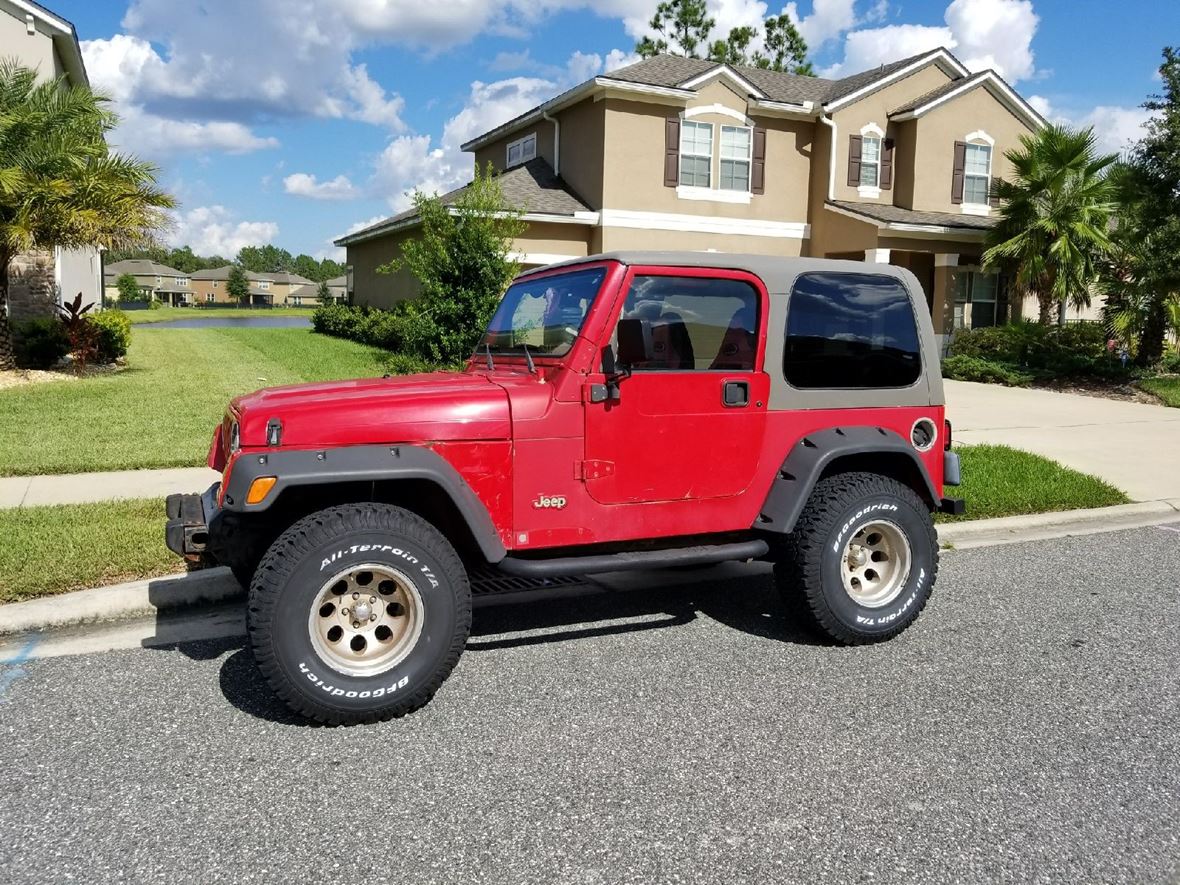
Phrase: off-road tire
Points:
(290, 579)
(808, 570)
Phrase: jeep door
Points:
(688, 422)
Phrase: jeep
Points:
(622, 411)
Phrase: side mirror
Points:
(634, 337)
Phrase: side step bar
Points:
(621, 562)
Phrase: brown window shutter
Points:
(886, 164)
(672, 152)
(957, 174)
(853, 160)
(992, 199)
(758, 166)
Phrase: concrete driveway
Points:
(1133, 446)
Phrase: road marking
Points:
(14, 669)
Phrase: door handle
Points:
(735, 394)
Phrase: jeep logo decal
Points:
(549, 502)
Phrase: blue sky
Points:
(292, 121)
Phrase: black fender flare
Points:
(812, 454)
(307, 467)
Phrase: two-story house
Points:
(889, 165)
(156, 281)
(266, 289)
(37, 281)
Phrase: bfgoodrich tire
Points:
(861, 563)
(358, 613)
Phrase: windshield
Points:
(544, 315)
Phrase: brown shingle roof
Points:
(939, 92)
(142, 267)
(898, 215)
(532, 187)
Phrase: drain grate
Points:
(487, 580)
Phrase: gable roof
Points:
(286, 277)
(141, 267)
(988, 79)
(677, 77)
(532, 187)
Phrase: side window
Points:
(850, 330)
(696, 323)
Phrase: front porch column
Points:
(877, 256)
(943, 308)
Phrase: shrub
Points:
(972, 368)
(41, 343)
(113, 331)
(1170, 361)
(406, 364)
(154, 305)
(1074, 350)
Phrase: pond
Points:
(231, 322)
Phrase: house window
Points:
(870, 161)
(264, 284)
(522, 150)
(736, 144)
(977, 174)
(181, 281)
(696, 154)
(210, 298)
(976, 299)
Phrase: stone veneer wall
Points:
(31, 288)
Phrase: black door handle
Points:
(735, 394)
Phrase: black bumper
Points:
(189, 516)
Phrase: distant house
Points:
(46, 42)
(266, 289)
(156, 281)
(891, 165)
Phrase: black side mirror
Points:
(634, 337)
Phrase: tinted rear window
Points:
(850, 330)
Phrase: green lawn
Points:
(161, 410)
(50, 550)
(161, 314)
(1167, 389)
(999, 481)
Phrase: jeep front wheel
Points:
(862, 560)
(358, 613)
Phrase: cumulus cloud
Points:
(213, 230)
(827, 21)
(1115, 128)
(983, 34)
(302, 184)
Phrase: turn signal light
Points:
(260, 488)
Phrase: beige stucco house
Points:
(266, 289)
(158, 281)
(889, 165)
(46, 42)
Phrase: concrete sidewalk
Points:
(1133, 446)
(84, 488)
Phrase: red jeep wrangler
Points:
(624, 411)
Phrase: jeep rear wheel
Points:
(358, 613)
(861, 563)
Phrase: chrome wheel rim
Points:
(876, 563)
(365, 620)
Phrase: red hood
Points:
(408, 408)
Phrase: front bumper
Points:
(189, 516)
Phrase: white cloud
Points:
(1115, 128)
(212, 230)
(983, 34)
(302, 184)
(618, 58)
(827, 21)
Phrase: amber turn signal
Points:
(260, 488)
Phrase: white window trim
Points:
(872, 191)
(709, 156)
(979, 138)
(711, 194)
(749, 161)
(525, 156)
(721, 111)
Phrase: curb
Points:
(215, 585)
(119, 601)
(1061, 524)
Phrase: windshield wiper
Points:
(488, 350)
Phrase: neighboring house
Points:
(890, 165)
(158, 281)
(338, 289)
(266, 289)
(39, 39)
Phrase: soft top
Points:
(776, 272)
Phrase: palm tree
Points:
(60, 184)
(1054, 217)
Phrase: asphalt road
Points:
(1026, 730)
